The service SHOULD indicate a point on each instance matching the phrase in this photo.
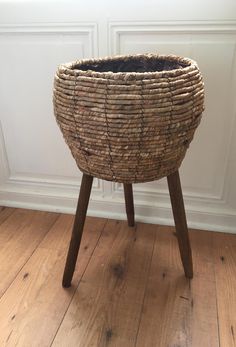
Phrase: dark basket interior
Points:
(132, 64)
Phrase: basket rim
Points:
(69, 68)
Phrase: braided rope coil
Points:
(129, 126)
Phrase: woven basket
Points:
(129, 118)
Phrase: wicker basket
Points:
(129, 118)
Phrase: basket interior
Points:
(132, 64)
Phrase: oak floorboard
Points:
(105, 310)
(33, 307)
(178, 311)
(5, 212)
(20, 234)
(132, 290)
(225, 270)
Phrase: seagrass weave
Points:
(129, 118)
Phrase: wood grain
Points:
(181, 227)
(78, 228)
(177, 311)
(34, 305)
(129, 203)
(225, 270)
(107, 305)
(20, 234)
(132, 291)
(5, 212)
(204, 320)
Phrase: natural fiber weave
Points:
(129, 118)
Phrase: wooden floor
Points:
(128, 289)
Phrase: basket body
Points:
(129, 126)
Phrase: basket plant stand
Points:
(129, 119)
(178, 212)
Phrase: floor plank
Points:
(178, 312)
(20, 235)
(5, 212)
(225, 269)
(132, 290)
(34, 305)
(107, 305)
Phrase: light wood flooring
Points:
(128, 289)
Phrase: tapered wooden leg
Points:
(77, 231)
(129, 203)
(180, 222)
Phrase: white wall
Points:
(36, 168)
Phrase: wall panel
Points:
(37, 170)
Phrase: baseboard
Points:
(202, 214)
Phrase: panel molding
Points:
(4, 165)
(116, 29)
(53, 28)
(22, 184)
(151, 191)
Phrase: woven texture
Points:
(129, 118)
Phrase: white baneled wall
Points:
(36, 168)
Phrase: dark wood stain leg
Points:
(177, 203)
(129, 203)
(77, 231)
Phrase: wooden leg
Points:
(129, 203)
(180, 222)
(77, 231)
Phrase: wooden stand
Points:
(77, 231)
(129, 204)
(181, 227)
(178, 212)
